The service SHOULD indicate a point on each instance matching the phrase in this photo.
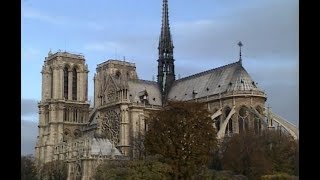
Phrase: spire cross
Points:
(240, 45)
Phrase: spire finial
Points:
(240, 45)
(165, 42)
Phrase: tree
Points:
(149, 168)
(28, 168)
(245, 154)
(54, 170)
(283, 151)
(183, 134)
(138, 146)
(253, 155)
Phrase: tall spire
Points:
(166, 74)
(165, 41)
(240, 45)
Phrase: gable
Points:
(139, 88)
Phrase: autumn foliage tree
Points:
(245, 154)
(283, 151)
(183, 134)
(254, 155)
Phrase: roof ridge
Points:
(206, 72)
(142, 80)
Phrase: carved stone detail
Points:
(111, 126)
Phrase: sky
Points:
(205, 34)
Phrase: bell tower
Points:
(166, 75)
(64, 107)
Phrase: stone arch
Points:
(229, 128)
(66, 70)
(216, 120)
(75, 66)
(74, 82)
(118, 74)
(66, 134)
(259, 109)
(67, 65)
(243, 118)
(77, 133)
(257, 121)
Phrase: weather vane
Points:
(240, 45)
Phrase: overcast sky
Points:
(205, 35)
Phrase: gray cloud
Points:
(29, 132)
(29, 107)
(269, 30)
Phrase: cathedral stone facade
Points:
(84, 136)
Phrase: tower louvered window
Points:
(65, 82)
(74, 84)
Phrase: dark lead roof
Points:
(231, 77)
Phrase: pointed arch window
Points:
(65, 82)
(243, 119)
(74, 84)
(65, 115)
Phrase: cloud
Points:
(281, 85)
(29, 107)
(29, 132)
(102, 46)
(29, 13)
(270, 29)
(33, 14)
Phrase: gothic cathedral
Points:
(84, 136)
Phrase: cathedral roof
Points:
(138, 87)
(231, 77)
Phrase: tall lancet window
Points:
(65, 82)
(51, 83)
(74, 84)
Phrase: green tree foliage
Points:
(54, 170)
(28, 168)
(133, 170)
(183, 134)
(255, 155)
